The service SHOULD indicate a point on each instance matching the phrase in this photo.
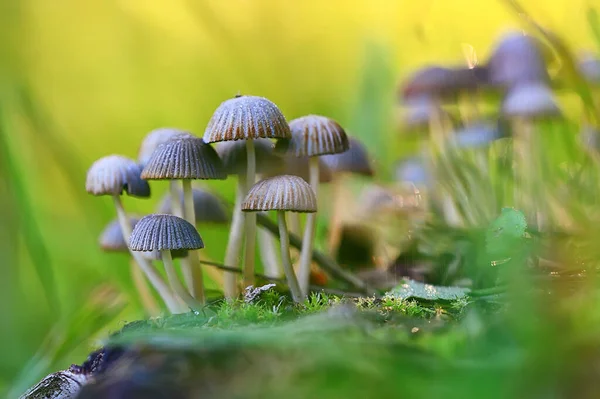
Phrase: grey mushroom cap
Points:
(246, 117)
(298, 166)
(235, 157)
(314, 135)
(111, 239)
(283, 193)
(589, 66)
(208, 207)
(164, 232)
(355, 160)
(441, 81)
(413, 170)
(113, 174)
(531, 100)
(184, 157)
(154, 139)
(476, 135)
(517, 59)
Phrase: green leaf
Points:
(505, 233)
(415, 289)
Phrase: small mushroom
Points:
(112, 175)
(245, 118)
(284, 194)
(186, 157)
(312, 136)
(167, 233)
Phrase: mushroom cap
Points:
(208, 207)
(314, 135)
(298, 166)
(517, 59)
(111, 239)
(589, 67)
(530, 100)
(184, 157)
(355, 160)
(164, 232)
(235, 157)
(441, 81)
(418, 110)
(413, 170)
(246, 117)
(476, 135)
(155, 138)
(113, 174)
(283, 193)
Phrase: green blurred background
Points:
(80, 80)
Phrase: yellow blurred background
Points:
(98, 75)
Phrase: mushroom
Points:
(112, 175)
(186, 157)
(355, 160)
(167, 233)
(235, 159)
(244, 118)
(284, 193)
(312, 136)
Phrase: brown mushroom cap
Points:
(153, 140)
(246, 117)
(113, 174)
(184, 157)
(314, 135)
(208, 207)
(235, 157)
(164, 232)
(355, 160)
(284, 193)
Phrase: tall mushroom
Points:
(312, 136)
(244, 118)
(166, 233)
(284, 194)
(186, 157)
(355, 160)
(112, 175)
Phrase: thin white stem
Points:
(526, 190)
(250, 218)
(192, 261)
(268, 253)
(335, 223)
(157, 282)
(309, 230)
(293, 220)
(284, 241)
(176, 284)
(176, 207)
(146, 297)
(236, 238)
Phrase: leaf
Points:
(415, 289)
(505, 233)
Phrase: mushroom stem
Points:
(236, 238)
(139, 281)
(268, 253)
(284, 241)
(309, 230)
(192, 261)
(250, 218)
(526, 192)
(335, 223)
(176, 284)
(176, 207)
(157, 282)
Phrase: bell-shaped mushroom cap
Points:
(246, 117)
(314, 135)
(476, 135)
(589, 66)
(517, 59)
(235, 157)
(184, 157)
(355, 160)
(208, 207)
(284, 193)
(153, 140)
(530, 100)
(113, 174)
(412, 170)
(111, 239)
(164, 232)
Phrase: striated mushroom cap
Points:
(154, 139)
(246, 117)
(284, 193)
(184, 157)
(164, 232)
(314, 135)
(113, 174)
(355, 160)
(530, 101)
(208, 207)
(235, 157)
